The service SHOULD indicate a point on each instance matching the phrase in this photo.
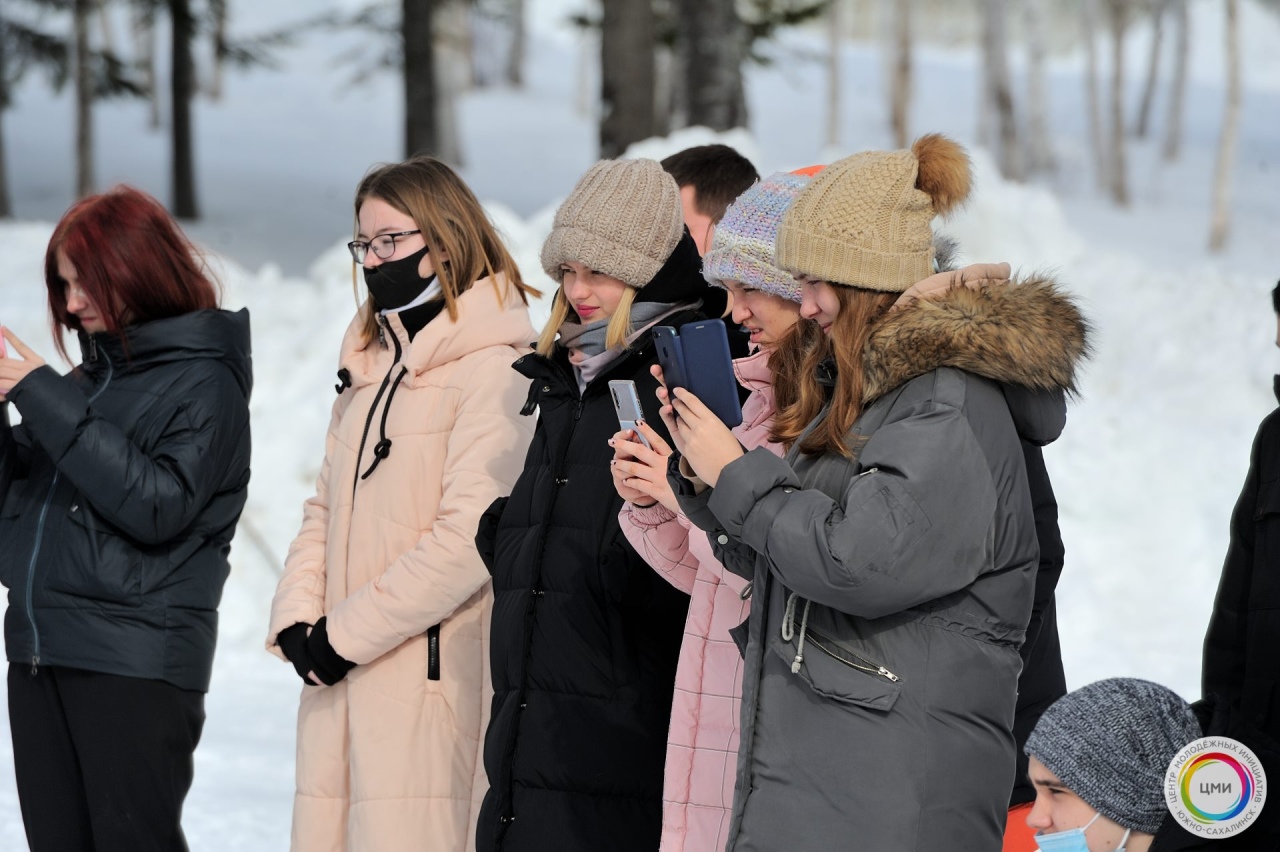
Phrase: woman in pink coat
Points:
(384, 605)
(703, 740)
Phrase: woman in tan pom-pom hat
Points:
(893, 549)
(585, 635)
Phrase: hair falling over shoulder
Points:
(800, 397)
(453, 224)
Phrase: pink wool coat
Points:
(702, 746)
(388, 759)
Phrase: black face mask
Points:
(396, 283)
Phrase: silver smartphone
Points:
(626, 402)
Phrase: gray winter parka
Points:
(892, 590)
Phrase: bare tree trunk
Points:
(1119, 172)
(1040, 146)
(1153, 69)
(834, 38)
(900, 97)
(626, 75)
(183, 86)
(144, 48)
(1178, 94)
(108, 32)
(219, 8)
(6, 206)
(420, 129)
(82, 11)
(515, 59)
(588, 52)
(999, 93)
(712, 41)
(1089, 21)
(451, 24)
(1221, 226)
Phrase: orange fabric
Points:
(809, 171)
(1018, 836)
(387, 759)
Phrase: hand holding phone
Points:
(697, 359)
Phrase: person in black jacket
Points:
(121, 490)
(1240, 678)
(585, 635)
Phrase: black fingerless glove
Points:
(329, 666)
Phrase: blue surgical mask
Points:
(1072, 840)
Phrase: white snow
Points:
(1146, 474)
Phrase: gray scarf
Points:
(587, 352)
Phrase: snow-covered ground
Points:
(1154, 454)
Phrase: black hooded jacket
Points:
(120, 491)
(585, 634)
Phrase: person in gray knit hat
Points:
(1098, 761)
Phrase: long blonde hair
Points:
(616, 334)
(453, 224)
(847, 342)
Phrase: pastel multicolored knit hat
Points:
(865, 221)
(623, 219)
(742, 248)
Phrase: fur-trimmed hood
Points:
(1027, 334)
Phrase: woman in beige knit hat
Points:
(585, 635)
(893, 549)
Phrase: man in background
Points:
(710, 178)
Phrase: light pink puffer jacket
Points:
(702, 745)
(389, 758)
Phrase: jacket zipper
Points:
(44, 516)
(433, 652)
(504, 820)
(368, 421)
(858, 661)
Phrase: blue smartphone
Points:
(697, 359)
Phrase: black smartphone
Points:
(670, 358)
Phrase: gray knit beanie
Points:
(623, 219)
(1111, 743)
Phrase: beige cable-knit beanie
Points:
(623, 219)
(864, 221)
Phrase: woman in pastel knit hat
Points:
(703, 739)
(892, 551)
(585, 636)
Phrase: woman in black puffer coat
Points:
(585, 635)
(121, 489)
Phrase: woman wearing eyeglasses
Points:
(384, 605)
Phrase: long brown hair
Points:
(800, 397)
(453, 224)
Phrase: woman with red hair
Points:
(120, 493)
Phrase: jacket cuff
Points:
(52, 407)
(649, 517)
(743, 483)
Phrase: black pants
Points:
(103, 762)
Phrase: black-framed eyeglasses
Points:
(383, 245)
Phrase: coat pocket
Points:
(840, 672)
(92, 561)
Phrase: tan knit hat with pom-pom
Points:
(623, 219)
(864, 221)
